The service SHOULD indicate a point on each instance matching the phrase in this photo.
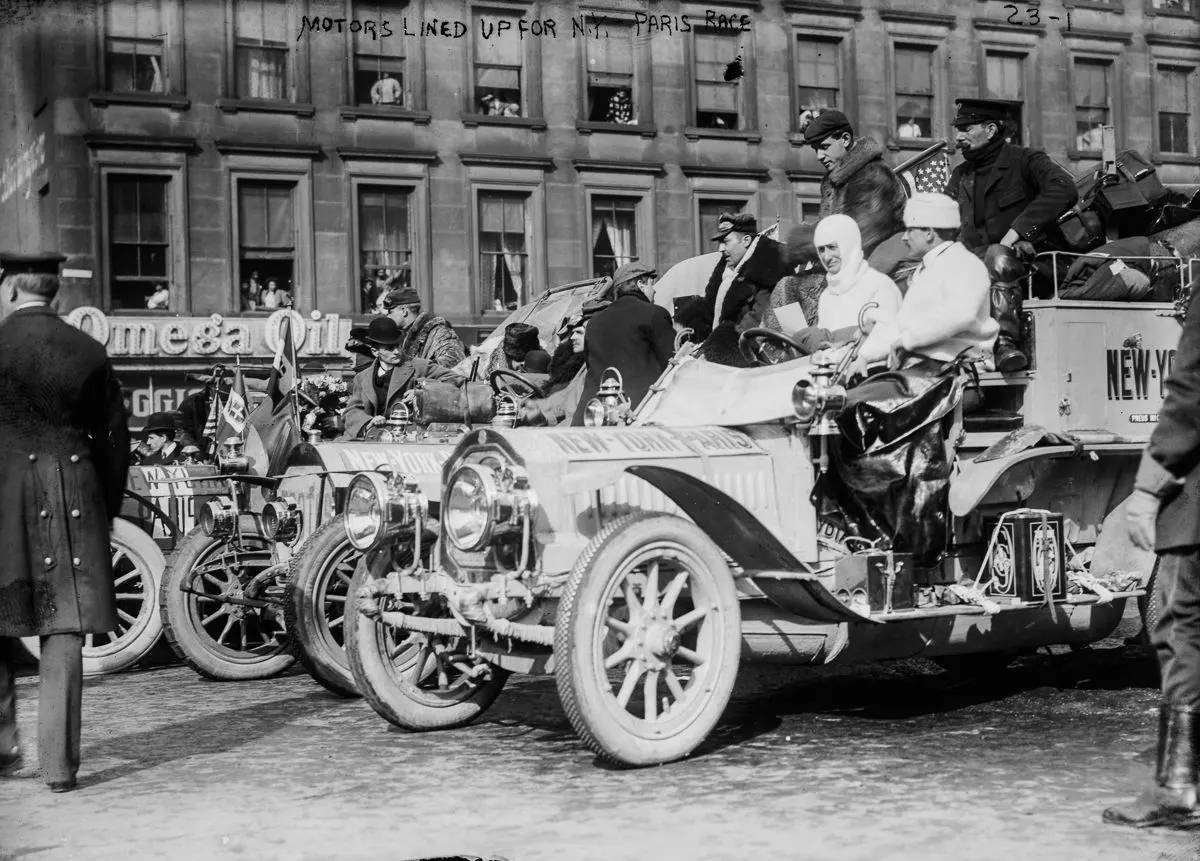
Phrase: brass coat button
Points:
(75, 513)
(76, 561)
(32, 458)
(44, 513)
(74, 458)
(49, 560)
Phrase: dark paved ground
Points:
(870, 762)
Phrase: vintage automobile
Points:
(160, 505)
(264, 579)
(641, 562)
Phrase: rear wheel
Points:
(316, 604)
(137, 569)
(647, 640)
(414, 680)
(220, 626)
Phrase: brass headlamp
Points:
(397, 422)
(282, 520)
(610, 406)
(231, 456)
(218, 518)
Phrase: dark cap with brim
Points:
(728, 222)
(973, 111)
(41, 263)
(403, 296)
(828, 122)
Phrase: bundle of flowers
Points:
(322, 397)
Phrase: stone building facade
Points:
(486, 151)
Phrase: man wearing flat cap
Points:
(380, 387)
(1009, 195)
(946, 310)
(64, 452)
(426, 336)
(740, 286)
(856, 183)
(633, 335)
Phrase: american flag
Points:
(932, 174)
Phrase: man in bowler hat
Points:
(64, 452)
(381, 386)
(1008, 195)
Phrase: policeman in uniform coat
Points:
(633, 335)
(64, 451)
(1009, 195)
(1163, 513)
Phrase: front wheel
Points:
(647, 640)
(416, 681)
(318, 596)
(137, 570)
(216, 615)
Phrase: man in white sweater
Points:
(946, 310)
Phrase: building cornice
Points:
(604, 165)
(759, 174)
(1172, 41)
(348, 153)
(482, 159)
(901, 16)
(104, 140)
(990, 25)
(228, 147)
(814, 7)
(1098, 35)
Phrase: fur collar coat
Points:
(867, 190)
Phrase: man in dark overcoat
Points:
(382, 385)
(633, 335)
(739, 288)
(1163, 514)
(1007, 194)
(64, 451)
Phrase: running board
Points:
(802, 594)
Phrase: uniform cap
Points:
(929, 209)
(41, 262)
(728, 222)
(828, 122)
(631, 272)
(403, 296)
(972, 111)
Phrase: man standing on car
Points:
(856, 182)
(425, 335)
(1008, 195)
(64, 452)
(633, 335)
(1163, 514)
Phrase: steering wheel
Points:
(534, 390)
(749, 343)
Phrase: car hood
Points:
(693, 391)
(421, 460)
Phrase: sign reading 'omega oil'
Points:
(215, 336)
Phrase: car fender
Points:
(783, 579)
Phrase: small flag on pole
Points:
(276, 419)
(234, 412)
(213, 422)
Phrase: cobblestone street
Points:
(869, 762)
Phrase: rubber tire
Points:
(137, 642)
(377, 682)
(312, 567)
(575, 664)
(179, 627)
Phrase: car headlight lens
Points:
(218, 518)
(281, 520)
(365, 501)
(469, 504)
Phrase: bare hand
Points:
(1141, 517)
(1010, 239)
(376, 421)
